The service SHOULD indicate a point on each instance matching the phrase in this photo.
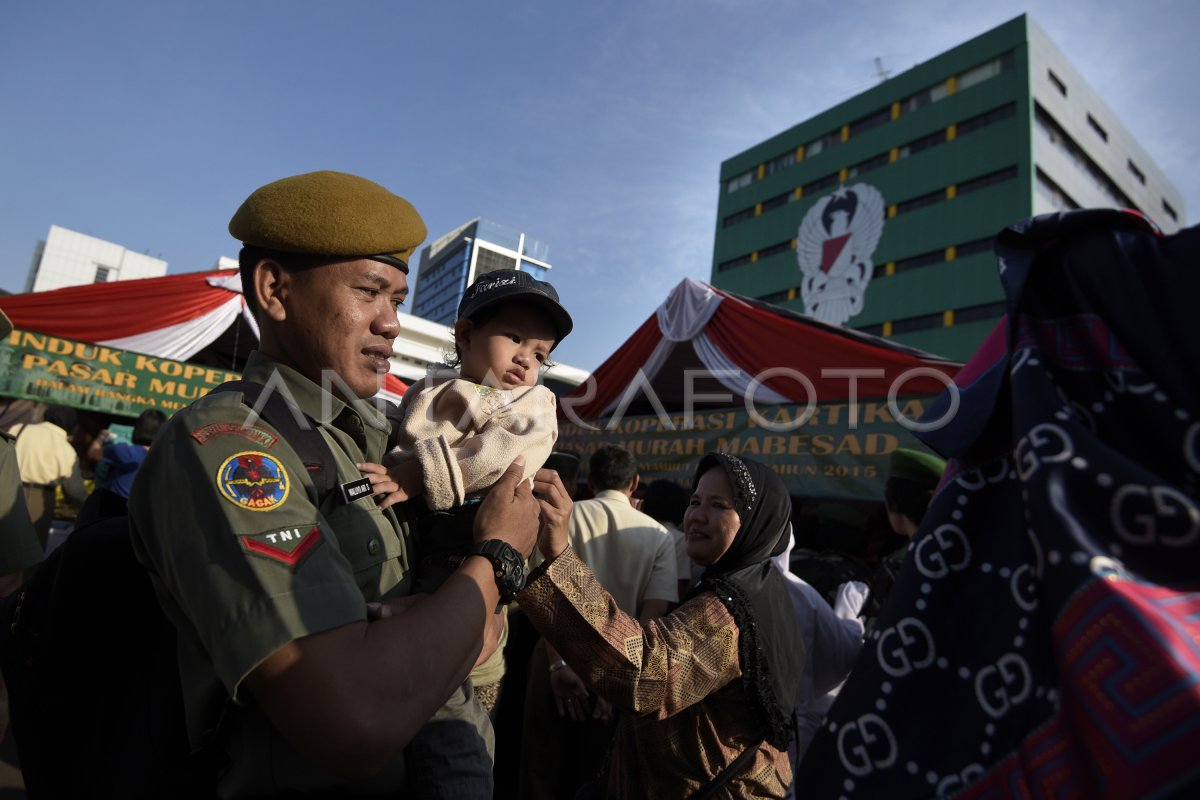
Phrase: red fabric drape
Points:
(100, 312)
(757, 340)
(617, 372)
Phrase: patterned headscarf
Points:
(770, 646)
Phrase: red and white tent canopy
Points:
(707, 342)
(197, 316)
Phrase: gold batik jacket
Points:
(676, 683)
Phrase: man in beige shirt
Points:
(633, 557)
(46, 460)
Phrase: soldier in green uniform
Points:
(268, 581)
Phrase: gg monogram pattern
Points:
(1043, 637)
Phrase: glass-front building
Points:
(448, 265)
(880, 213)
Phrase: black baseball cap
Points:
(505, 285)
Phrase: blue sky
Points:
(598, 128)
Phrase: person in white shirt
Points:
(832, 638)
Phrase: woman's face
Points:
(711, 521)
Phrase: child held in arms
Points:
(464, 423)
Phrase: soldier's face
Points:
(341, 319)
(711, 521)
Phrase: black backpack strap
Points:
(297, 428)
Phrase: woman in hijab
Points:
(704, 696)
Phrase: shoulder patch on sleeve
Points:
(257, 435)
(254, 481)
(286, 545)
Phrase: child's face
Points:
(508, 350)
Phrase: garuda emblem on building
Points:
(834, 245)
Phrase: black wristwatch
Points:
(507, 564)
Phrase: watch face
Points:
(514, 569)
(510, 567)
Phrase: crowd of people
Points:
(425, 602)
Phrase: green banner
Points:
(836, 450)
(51, 369)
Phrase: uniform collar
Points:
(316, 403)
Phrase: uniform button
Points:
(373, 546)
(356, 423)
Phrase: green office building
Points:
(879, 214)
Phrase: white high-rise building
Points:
(69, 258)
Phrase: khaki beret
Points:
(332, 214)
(915, 465)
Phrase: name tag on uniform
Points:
(355, 490)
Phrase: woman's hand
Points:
(555, 506)
(570, 694)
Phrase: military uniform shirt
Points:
(246, 558)
(19, 547)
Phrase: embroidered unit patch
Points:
(254, 481)
(288, 545)
(257, 435)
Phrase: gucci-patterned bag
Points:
(1043, 637)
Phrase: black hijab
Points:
(771, 650)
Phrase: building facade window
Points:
(974, 247)
(734, 263)
(739, 182)
(103, 274)
(924, 143)
(775, 297)
(924, 200)
(917, 261)
(876, 162)
(986, 118)
(829, 140)
(775, 250)
(1137, 173)
(1049, 191)
(984, 181)
(777, 201)
(1097, 127)
(780, 163)
(870, 122)
(734, 219)
(1057, 82)
(988, 69)
(821, 183)
(1170, 211)
(1047, 127)
(976, 313)
(922, 323)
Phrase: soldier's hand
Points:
(509, 512)
(391, 608)
(555, 506)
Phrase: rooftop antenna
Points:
(880, 71)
